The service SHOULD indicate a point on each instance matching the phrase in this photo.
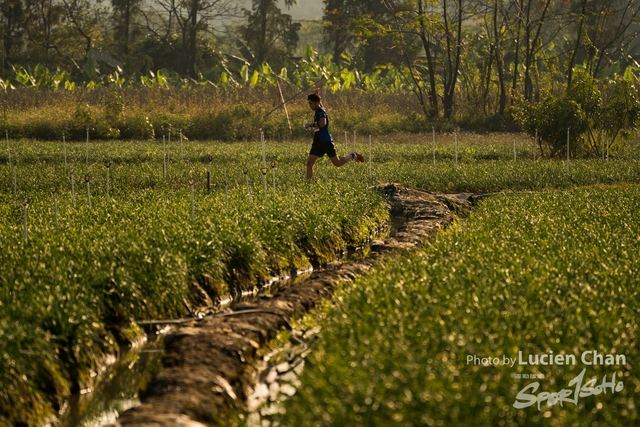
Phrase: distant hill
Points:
(304, 9)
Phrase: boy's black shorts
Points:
(319, 148)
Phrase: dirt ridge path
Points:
(207, 366)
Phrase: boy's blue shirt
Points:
(324, 136)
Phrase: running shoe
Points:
(359, 157)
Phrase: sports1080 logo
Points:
(577, 387)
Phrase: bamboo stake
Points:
(284, 104)
(86, 179)
(87, 147)
(169, 147)
(246, 180)
(264, 152)
(25, 204)
(6, 132)
(273, 175)
(369, 157)
(433, 143)
(193, 203)
(73, 192)
(455, 142)
(55, 206)
(108, 166)
(181, 152)
(264, 176)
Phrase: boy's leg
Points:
(311, 160)
(339, 161)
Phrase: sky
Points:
(304, 9)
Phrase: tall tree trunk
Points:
(531, 47)
(487, 79)
(416, 88)
(127, 25)
(514, 84)
(262, 54)
(572, 60)
(433, 94)
(499, 64)
(193, 38)
(453, 64)
(528, 85)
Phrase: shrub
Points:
(229, 124)
(550, 119)
(589, 114)
(114, 109)
(137, 127)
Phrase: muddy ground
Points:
(209, 365)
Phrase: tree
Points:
(181, 28)
(125, 14)
(337, 19)
(611, 26)
(531, 16)
(597, 117)
(452, 23)
(438, 27)
(409, 26)
(47, 40)
(578, 42)
(269, 35)
(12, 27)
(87, 22)
(348, 28)
(497, 34)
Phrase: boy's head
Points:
(314, 101)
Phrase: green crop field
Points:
(547, 273)
(74, 280)
(69, 292)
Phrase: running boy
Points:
(322, 140)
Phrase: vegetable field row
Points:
(77, 269)
(528, 274)
(70, 290)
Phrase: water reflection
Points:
(117, 389)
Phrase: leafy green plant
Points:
(114, 109)
(137, 127)
(587, 113)
(556, 122)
